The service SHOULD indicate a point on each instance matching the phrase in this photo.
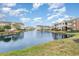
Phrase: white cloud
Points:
(66, 17)
(60, 20)
(6, 9)
(57, 10)
(55, 5)
(53, 22)
(9, 4)
(21, 9)
(36, 5)
(18, 12)
(61, 10)
(37, 19)
(24, 20)
(52, 16)
(2, 15)
(48, 14)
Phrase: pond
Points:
(27, 39)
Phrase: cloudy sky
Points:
(32, 14)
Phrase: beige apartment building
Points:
(68, 25)
(12, 24)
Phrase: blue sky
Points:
(32, 14)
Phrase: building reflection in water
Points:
(57, 36)
(38, 34)
(12, 37)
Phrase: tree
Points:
(7, 27)
(1, 29)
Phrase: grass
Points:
(63, 47)
(6, 33)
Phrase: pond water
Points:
(27, 39)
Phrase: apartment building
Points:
(41, 27)
(12, 24)
(75, 24)
(60, 26)
(68, 25)
(15, 25)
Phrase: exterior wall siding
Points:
(69, 25)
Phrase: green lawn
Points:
(62, 47)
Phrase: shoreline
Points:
(9, 33)
(51, 48)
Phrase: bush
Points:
(73, 31)
(7, 27)
(2, 29)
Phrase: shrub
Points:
(7, 27)
(2, 29)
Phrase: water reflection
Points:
(41, 34)
(37, 35)
(60, 36)
(27, 39)
(12, 37)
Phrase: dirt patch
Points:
(76, 40)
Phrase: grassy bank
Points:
(9, 33)
(59, 47)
